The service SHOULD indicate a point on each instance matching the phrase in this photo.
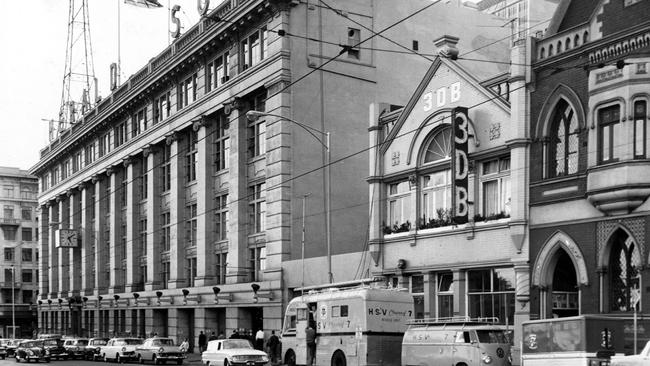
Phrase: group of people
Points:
(203, 339)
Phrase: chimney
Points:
(447, 46)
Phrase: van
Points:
(456, 342)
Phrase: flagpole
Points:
(119, 59)
(169, 30)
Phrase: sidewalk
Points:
(194, 358)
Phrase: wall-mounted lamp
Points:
(187, 297)
(40, 302)
(136, 297)
(85, 300)
(218, 297)
(169, 300)
(60, 302)
(99, 301)
(257, 294)
(49, 303)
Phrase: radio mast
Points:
(79, 92)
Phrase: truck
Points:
(585, 340)
(362, 325)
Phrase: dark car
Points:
(11, 346)
(76, 347)
(32, 350)
(93, 347)
(3, 348)
(55, 348)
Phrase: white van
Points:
(456, 342)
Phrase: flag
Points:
(144, 3)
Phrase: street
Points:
(193, 360)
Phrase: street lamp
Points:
(253, 116)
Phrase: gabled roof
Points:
(572, 13)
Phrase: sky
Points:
(33, 61)
(32, 66)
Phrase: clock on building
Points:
(67, 238)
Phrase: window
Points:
(120, 133)
(491, 293)
(257, 263)
(55, 176)
(436, 195)
(191, 271)
(122, 193)
(563, 143)
(8, 212)
(190, 156)
(142, 234)
(354, 38)
(89, 154)
(65, 169)
(27, 276)
(257, 128)
(187, 92)
(190, 225)
(28, 296)
(164, 274)
(417, 290)
(165, 232)
(340, 311)
(45, 181)
(161, 107)
(28, 193)
(495, 181)
(8, 191)
(221, 144)
(624, 265)
(105, 144)
(9, 277)
(445, 294)
(609, 132)
(254, 48)
(221, 264)
(139, 122)
(257, 207)
(221, 217)
(216, 72)
(26, 255)
(399, 203)
(26, 234)
(76, 162)
(640, 128)
(143, 181)
(9, 254)
(26, 213)
(166, 168)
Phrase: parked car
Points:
(632, 360)
(54, 347)
(75, 347)
(32, 350)
(3, 348)
(120, 349)
(159, 349)
(11, 346)
(233, 352)
(93, 348)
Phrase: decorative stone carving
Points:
(495, 131)
(634, 226)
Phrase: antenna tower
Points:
(79, 81)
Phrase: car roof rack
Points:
(454, 320)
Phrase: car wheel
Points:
(118, 359)
(290, 358)
(338, 359)
(140, 359)
(17, 359)
(225, 362)
(179, 362)
(155, 360)
(105, 358)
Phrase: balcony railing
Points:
(9, 221)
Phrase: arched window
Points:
(563, 144)
(436, 184)
(624, 264)
(576, 41)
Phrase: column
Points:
(204, 205)
(238, 203)
(53, 270)
(153, 223)
(44, 251)
(459, 293)
(75, 208)
(375, 191)
(87, 238)
(64, 257)
(177, 213)
(101, 253)
(132, 240)
(115, 235)
(430, 295)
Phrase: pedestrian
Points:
(259, 340)
(310, 336)
(272, 345)
(202, 342)
(212, 337)
(221, 336)
(185, 346)
(235, 334)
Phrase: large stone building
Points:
(19, 261)
(167, 210)
(589, 171)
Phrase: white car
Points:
(225, 352)
(120, 349)
(641, 359)
(158, 350)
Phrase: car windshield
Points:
(30, 344)
(99, 342)
(132, 341)
(162, 342)
(82, 342)
(236, 343)
(51, 342)
(492, 336)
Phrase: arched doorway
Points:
(564, 288)
(623, 265)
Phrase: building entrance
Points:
(564, 298)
